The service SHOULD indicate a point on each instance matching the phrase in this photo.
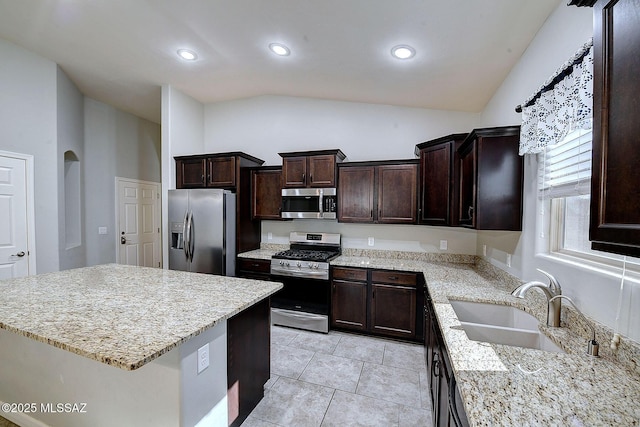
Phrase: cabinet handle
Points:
(303, 176)
(435, 368)
(203, 181)
(470, 212)
(310, 178)
(393, 277)
(373, 293)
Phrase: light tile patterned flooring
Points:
(341, 379)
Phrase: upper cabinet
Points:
(615, 194)
(378, 192)
(310, 169)
(212, 170)
(439, 171)
(491, 178)
(266, 192)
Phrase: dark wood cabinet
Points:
(266, 193)
(379, 302)
(378, 192)
(491, 179)
(248, 360)
(231, 171)
(615, 193)
(310, 169)
(253, 268)
(446, 405)
(349, 298)
(393, 303)
(439, 174)
(356, 194)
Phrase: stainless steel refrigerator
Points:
(202, 231)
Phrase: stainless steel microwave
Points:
(311, 203)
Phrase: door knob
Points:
(19, 254)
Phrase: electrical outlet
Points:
(203, 357)
(443, 245)
(102, 230)
(269, 236)
(508, 260)
(370, 241)
(484, 250)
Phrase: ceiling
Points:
(121, 51)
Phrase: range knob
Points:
(315, 265)
(281, 262)
(286, 263)
(298, 264)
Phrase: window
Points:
(564, 187)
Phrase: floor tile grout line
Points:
(327, 410)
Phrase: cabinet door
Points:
(397, 194)
(393, 310)
(355, 194)
(294, 172)
(221, 172)
(190, 173)
(615, 193)
(266, 191)
(349, 305)
(466, 215)
(322, 171)
(435, 185)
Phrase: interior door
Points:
(138, 223)
(14, 253)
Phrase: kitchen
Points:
(285, 123)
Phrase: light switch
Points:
(370, 241)
(102, 230)
(443, 245)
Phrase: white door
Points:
(138, 222)
(14, 237)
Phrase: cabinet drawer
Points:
(256, 265)
(393, 277)
(340, 273)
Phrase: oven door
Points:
(301, 303)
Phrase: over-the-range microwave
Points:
(309, 203)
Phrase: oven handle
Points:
(293, 273)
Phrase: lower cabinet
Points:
(381, 302)
(253, 268)
(446, 404)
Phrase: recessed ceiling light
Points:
(403, 52)
(187, 55)
(279, 49)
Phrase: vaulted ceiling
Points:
(121, 51)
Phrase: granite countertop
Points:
(121, 315)
(506, 385)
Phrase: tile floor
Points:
(341, 379)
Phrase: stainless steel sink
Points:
(501, 324)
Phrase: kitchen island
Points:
(119, 345)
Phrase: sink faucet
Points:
(550, 291)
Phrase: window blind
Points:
(564, 169)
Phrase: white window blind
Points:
(564, 169)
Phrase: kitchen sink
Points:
(501, 324)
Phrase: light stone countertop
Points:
(121, 315)
(512, 386)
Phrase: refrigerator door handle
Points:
(190, 232)
(185, 238)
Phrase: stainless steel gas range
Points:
(304, 300)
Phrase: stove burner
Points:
(306, 255)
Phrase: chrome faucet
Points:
(554, 305)
(592, 344)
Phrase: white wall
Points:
(267, 125)
(28, 125)
(116, 144)
(182, 134)
(70, 121)
(595, 293)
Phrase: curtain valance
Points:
(562, 107)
